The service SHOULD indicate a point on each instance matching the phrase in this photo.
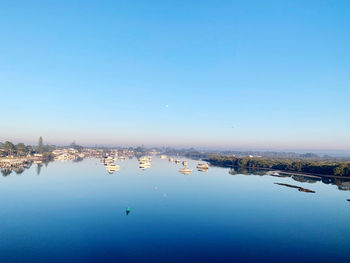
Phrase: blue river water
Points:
(76, 212)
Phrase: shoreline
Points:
(311, 175)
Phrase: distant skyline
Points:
(260, 75)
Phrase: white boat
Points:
(203, 166)
(144, 166)
(184, 163)
(163, 157)
(185, 171)
(107, 161)
(145, 159)
(112, 167)
(171, 159)
(177, 161)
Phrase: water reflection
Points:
(21, 169)
(18, 170)
(304, 179)
(185, 171)
(246, 171)
(342, 184)
(300, 189)
(76, 203)
(6, 171)
(38, 168)
(78, 159)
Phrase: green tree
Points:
(40, 145)
(340, 169)
(29, 149)
(76, 146)
(9, 148)
(21, 149)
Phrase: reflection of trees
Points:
(327, 180)
(6, 172)
(78, 159)
(299, 178)
(303, 179)
(342, 185)
(242, 171)
(232, 171)
(38, 168)
(250, 171)
(28, 165)
(19, 170)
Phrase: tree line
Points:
(10, 149)
(291, 165)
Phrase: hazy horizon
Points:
(262, 75)
(332, 152)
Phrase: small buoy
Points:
(127, 210)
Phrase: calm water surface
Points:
(75, 212)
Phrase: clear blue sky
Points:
(234, 74)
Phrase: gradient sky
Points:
(231, 74)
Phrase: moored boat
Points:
(112, 167)
(145, 159)
(202, 166)
(185, 171)
(144, 166)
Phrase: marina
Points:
(175, 131)
(86, 203)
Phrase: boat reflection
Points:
(145, 163)
(185, 171)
